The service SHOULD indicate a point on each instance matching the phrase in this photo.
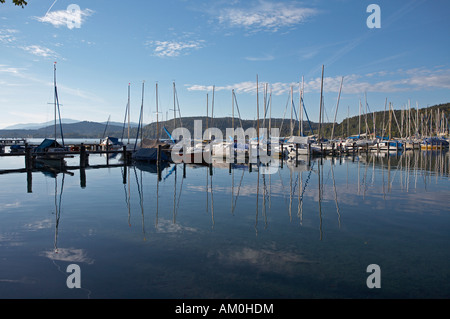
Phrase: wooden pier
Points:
(12, 141)
(81, 151)
(33, 164)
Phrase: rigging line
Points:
(179, 195)
(307, 117)
(237, 106)
(239, 189)
(284, 115)
(178, 106)
(306, 182)
(59, 114)
(125, 120)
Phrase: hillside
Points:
(350, 126)
(83, 129)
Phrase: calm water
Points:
(304, 232)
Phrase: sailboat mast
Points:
(257, 111)
(128, 111)
(348, 120)
(390, 119)
(232, 111)
(270, 111)
(292, 111)
(57, 108)
(54, 84)
(300, 124)
(359, 120)
(142, 112)
(212, 106)
(174, 108)
(320, 108)
(157, 113)
(337, 106)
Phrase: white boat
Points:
(301, 145)
(111, 143)
(388, 146)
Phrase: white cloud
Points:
(382, 82)
(7, 36)
(266, 57)
(174, 48)
(242, 87)
(9, 70)
(40, 51)
(266, 16)
(69, 18)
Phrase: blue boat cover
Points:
(47, 143)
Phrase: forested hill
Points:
(83, 129)
(350, 126)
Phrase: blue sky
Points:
(227, 44)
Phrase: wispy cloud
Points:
(27, 78)
(7, 36)
(174, 48)
(10, 70)
(66, 17)
(40, 51)
(266, 16)
(266, 57)
(382, 82)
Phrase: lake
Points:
(308, 231)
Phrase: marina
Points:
(223, 157)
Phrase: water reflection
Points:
(183, 230)
(405, 170)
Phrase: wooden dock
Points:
(81, 151)
(33, 164)
(12, 141)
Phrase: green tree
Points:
(17, 2)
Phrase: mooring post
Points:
(27, 157)
(82, 155)
(82, 177)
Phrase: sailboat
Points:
(50, 150)
(109, 142)
(300, 144)
(149, 149)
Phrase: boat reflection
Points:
(298, 192)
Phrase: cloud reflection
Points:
(71, 255)
(266, 260)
